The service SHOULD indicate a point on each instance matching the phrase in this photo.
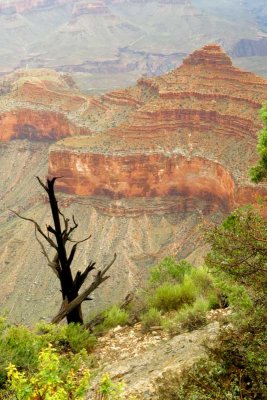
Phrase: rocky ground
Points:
(138, 359)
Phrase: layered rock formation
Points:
(39, 105)
(184, 139)
(151, 161)
(45, 105)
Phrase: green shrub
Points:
(236, 363)
(169, 270)
(109, 390)
(217, 299)
(172, 297)
(114, 316)
(79, 338)
(202, 280)
(188, 318)
(73, 337)
(151, 318)
(49, 381)
(194, 316)
(19, 346)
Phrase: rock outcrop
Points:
(39, 105)
(139, 359)
(42, 104)
(183, 139)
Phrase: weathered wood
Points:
(61, 262)
(99, 278)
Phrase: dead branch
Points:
(37, 226)
(81, 277)
(99, 278)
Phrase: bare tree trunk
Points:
(61, 263)
(68, 288)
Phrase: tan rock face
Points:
(192, 133)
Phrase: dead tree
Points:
(58, 236)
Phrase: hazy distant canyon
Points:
(110, 43)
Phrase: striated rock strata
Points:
(184, 138)
(42, 104)
(139, 167)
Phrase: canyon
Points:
(113, 42)
(141, 169)
(157, 152)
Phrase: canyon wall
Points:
(140, 168)
(151, 175)
(183, 139)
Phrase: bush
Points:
(151, 318)
(188, 318)
(239, 248)
(71, 337)
(169, 270)
(49, 380)
(114, 317)
(109, 390)
(193, 317)
(79, 338)
(235, 367)
(19, 346)
(202, 280)
(172, 297)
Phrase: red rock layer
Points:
(119, 97)
(40, 105)
(142, 175)
(34, 125)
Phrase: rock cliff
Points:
(42, 104)
(183, 139)
(139, 166)
(39, 105)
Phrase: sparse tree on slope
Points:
(58, 236)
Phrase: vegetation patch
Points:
(177, 297)
(236, 365)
